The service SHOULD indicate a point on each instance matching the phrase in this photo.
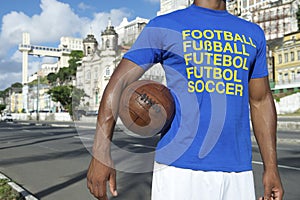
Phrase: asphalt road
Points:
(51, 161)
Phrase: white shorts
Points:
(171, 183)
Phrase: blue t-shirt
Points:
(208, 56)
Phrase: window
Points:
(107, 71)
(280, 77)
(286, 57)
(279, 58)
(298, 55)
(286, 77)
(96, 73)
(107, 43)
(292, 56)
(89, 50)
(88, 75)
(297, 75)
(293, 75)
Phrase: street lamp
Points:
(38, 97)
(38, 90)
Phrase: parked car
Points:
(7, 117)
(91, 113)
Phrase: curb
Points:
(19, 189)
(288, 125)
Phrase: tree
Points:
(63, 74)
(17, 85)
(2, 94)
(2, 107)
(67, 95)
(52, 77)
(75, 58)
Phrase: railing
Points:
(43, 48)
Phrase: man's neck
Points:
(211, 4)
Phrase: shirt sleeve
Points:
(147, 49)
(260, 67)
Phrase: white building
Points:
(98, 65)
(167, 6)
(128, 31)
(46, 69)
(71, 43)
(275, 17)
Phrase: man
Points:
(215, 65)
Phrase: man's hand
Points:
(273, 189)
(101, 169)
(97, 177)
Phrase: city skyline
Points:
(72, 18)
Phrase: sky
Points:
(48, 20)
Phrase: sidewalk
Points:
(284, 123)
(288, 122)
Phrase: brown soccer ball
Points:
(146, 107)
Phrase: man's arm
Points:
(101, 168)
(264, 121)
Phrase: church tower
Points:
(90, 45)
(109, 38)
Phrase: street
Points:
(51, 161)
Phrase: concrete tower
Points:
(25, 47)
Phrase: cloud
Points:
(55, 20)
(153, 1)
(13, 77)
(100, 21)
(83, 6)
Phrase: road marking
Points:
(49, 148)
(280, 166)
(141, 145)
(85, 127)
(84, 138)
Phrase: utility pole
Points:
(38, 90)
(38, 97)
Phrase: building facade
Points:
(128, 31)
(16, 102)
(275, 17)
(287, 64)
(99, 63)
(167, 6)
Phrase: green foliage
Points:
(2, 107)
(75, 58)
(52, 77)
(61, 94)
(43, 80)
(2, 94)
(6, 192)
(63, 74)
(17, 85)
(67, 95)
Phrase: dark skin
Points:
(101, 170)
(264, 120)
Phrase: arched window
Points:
(88, 75)
(107, 43)
(96, 98)
(107, 71)
(89, 50)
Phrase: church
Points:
(98, 64)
